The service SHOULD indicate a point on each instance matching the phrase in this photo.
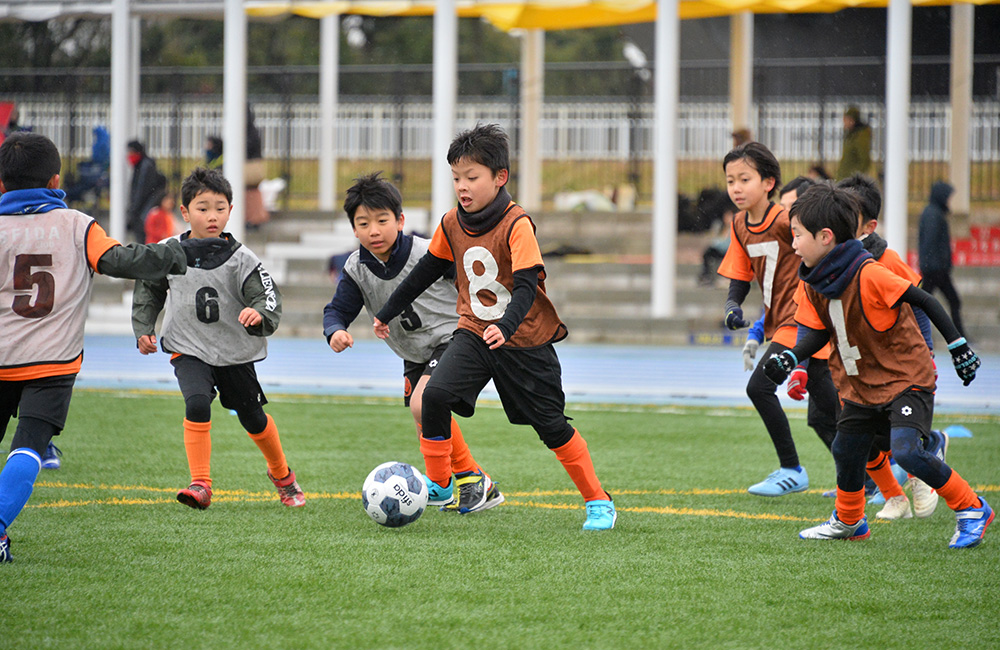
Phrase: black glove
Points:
(965, 360)
(200, 252)
(734, 317)
(779, 366)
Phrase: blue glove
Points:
(965, 360)
(734, 317)
(779, 366)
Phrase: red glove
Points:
(797, 383)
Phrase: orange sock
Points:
(575, 457)
(198, 445)
(269, 444)
(957, 493)
(461, 455)
(850, 506)
(437, 459)
(881, 472)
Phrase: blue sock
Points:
(17, 480)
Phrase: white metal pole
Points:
(445, 97)
(897, 118)
(329, 63)
(134, 76)
(119, 180)
(667, 94)
(741, 69)
(962, 15)
(234, 110)
(529, 191)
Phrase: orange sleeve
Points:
(892, 261)
(524, 251)
(805, 314)
(98, 243)
(736, 265)
(880, 290)
(439, 246)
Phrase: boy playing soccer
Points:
(507, 325)
(880, 363)
(217, 316)
(761, 249)
(423, 331)
(48, 256)
(890, 490)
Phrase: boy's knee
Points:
(254, 422)
(198, 408)
(434, 397)
(760, 387)
(555, 436)
(906, 446)
(34, 434)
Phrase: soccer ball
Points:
(394, 494)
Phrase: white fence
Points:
(570, 131)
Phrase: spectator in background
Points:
(213, 152)
(148, 186)
(161, 220)
(857, 153)
(934, 246)
(741, 136)
(818, 173)
(253, 173)
(716, 250)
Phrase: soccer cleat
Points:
(830, 494)
(5, 555)
(493, 498)
(197, 495)
(896, 508)
(440, 496)
(970, 525)
(781, 482)
(473, 491)
(601, 515)
(50, 459)
(836, 529)
(289, 490)
(925, 498)
(877, 498)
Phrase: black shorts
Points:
(529, 381)
(912, 409)
(238, 387)
(412, 371)
(45, 399)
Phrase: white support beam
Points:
(529, 190)
(119, 173)
(741, 70)
(962, 16)
(234, 110)
(134, 78)
(445, 90)
(329, 66)
(897, 122)
(667, 96)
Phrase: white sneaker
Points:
(834, 528)
(925, 498)
(896, 508)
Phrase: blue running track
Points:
(604, 374)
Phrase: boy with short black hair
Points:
(217, 316)
(422, 333)
(507, 325)
(880, 363)
(48, 256)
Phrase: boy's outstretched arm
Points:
(423, 275)
(966, 361)
(148, 298)
(738, 290)
(809, 342)
(143, 261)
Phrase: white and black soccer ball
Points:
(394, 494)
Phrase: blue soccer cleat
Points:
(970, 525)
(5, 550)
(601, 514)
(781, 482)
(51, 457)
(440, 496)
(834, 528)
(901, 476)
(937, 444)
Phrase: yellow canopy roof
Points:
(564, 14)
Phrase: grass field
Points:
(106, 558)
